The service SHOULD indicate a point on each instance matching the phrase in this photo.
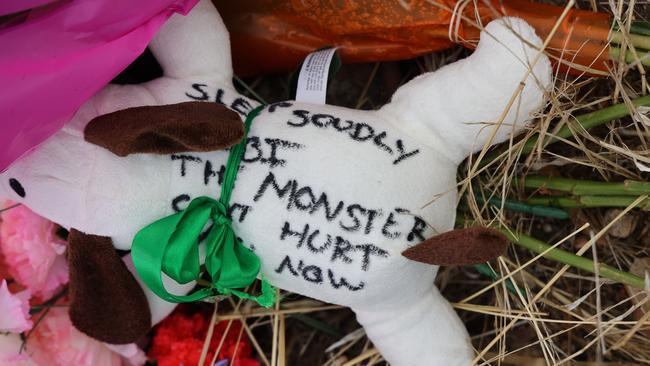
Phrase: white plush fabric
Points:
(328, 197)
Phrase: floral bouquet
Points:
(35, 327)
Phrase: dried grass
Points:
(561, 315)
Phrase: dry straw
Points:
(565, 295)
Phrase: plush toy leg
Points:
(425, 332)
(106, 302)
(435, 105)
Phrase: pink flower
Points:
(10, 351)
(32, 252)
(55, 342)
(14, 310)
(131, 354)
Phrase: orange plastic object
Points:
(272, 36)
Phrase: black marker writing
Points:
(357, 131)
(185, 158)
(350, 217)
(314, 274)
(338, 249)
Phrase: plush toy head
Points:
(328, 198)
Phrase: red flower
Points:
(179, 339)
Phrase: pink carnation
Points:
(32, 252)
(14, 310)
(10, 351)
(131, 354)
(55, 342)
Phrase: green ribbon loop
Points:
(171, 245)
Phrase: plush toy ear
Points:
(106, 301)
(459, 247)
(166, 129)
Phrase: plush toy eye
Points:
(17, 187)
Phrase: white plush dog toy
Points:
(327, 197)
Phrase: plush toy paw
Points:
(106, 302)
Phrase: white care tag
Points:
(312, 81)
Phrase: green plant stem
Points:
(565, 257)
(586, 187)
(49, 303)
(644, 56)
(637, 40)
(637, 27)
(590, 120)
(640, 27)
(486, 270)
(589, 201)
(526, 208)
(568, 258)
(587, 121)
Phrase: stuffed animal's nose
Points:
(17, 187)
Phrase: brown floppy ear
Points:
(166, 129)
(459, 247)
(106, 302)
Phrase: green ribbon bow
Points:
(171, 245)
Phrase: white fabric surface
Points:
(328, 197)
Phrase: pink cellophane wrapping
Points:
(61, 54)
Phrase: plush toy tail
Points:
(426, 332)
